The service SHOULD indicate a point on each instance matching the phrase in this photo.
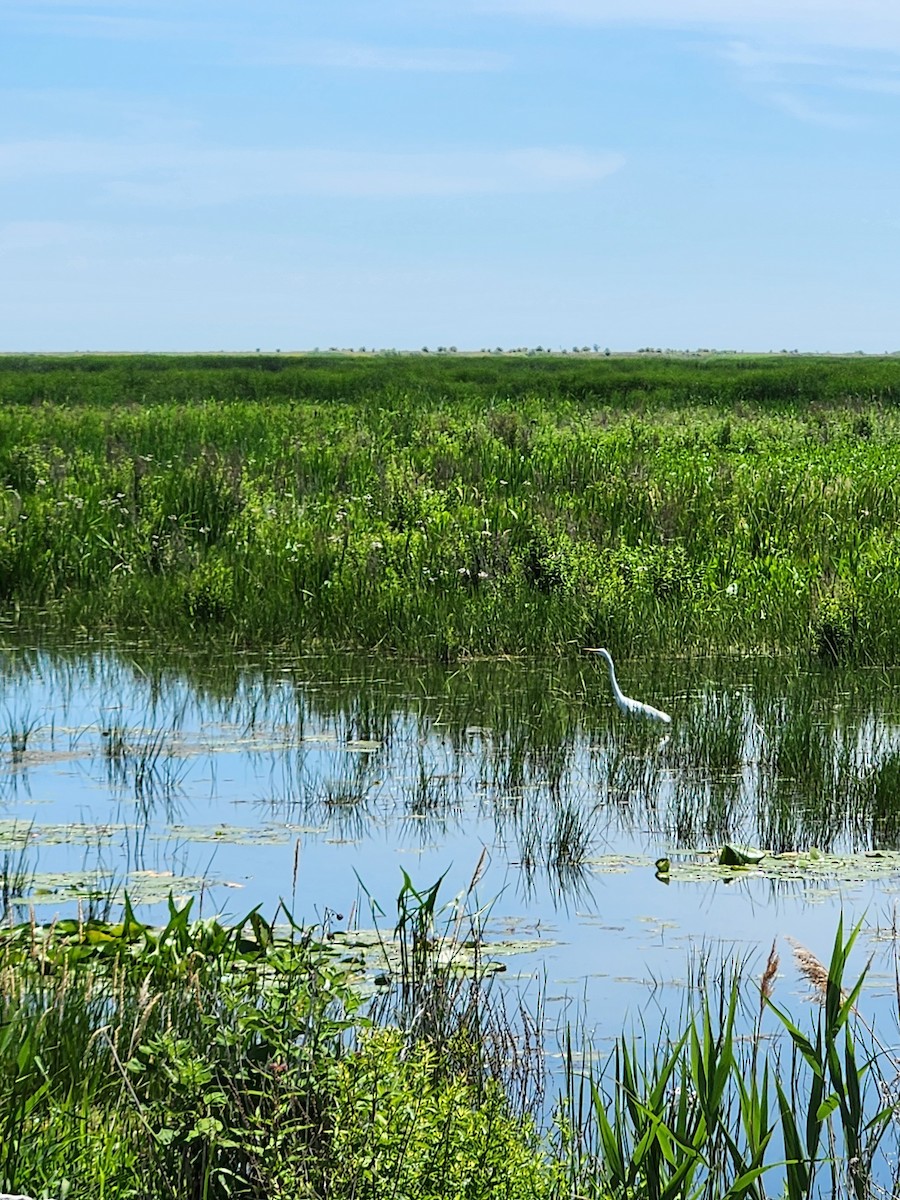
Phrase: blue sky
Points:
(477, 173)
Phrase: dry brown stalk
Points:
(767, 983)
(811, 968)
(479, 870)
(146, 1002)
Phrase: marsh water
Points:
(319, 780)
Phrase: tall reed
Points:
(715, 1113)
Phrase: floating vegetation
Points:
(16, 834)
(732, 863)
(616, 864)
(379, 955)
(142, 886)
(238, 835)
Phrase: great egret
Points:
(636, 707)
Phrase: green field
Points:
(441, 507)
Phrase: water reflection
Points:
(248, 779)
(758, 752)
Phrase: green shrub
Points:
(401, 1125)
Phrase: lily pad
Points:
(509, 947)
(16, 834)
(735, 856)
(808, 866)
(238, 835)
(811, 866)
(616, 864)
(143, 887)
(380, 953)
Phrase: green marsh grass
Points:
(709, 1109)
(207, 1060)
(453, 507)
(201, 1059)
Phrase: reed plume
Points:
(767, 982)
(811, 968)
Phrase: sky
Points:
(676, 174)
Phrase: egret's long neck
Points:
(617, 691)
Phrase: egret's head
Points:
(602, 651)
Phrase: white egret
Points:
(636, 707)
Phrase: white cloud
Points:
(797, 80)
(81, 5)
(323, 53)
(186, 175)
(236, 37)
(28, 236)
(75, 20)
(884, 85)
(873, 24)
(107, 112)
(359, 56)
(773, 59)
(803, 109)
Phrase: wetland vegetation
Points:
(270, 623)
(199, 1059)
(460, 506)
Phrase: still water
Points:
(319, 781)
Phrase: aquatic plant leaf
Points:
(734, 856)
(238, 835)
(15, 834)
(827, 871)
(144, 887)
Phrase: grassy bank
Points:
(449, 506)
(210, 1061)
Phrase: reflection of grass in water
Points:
(716, 741)
(20, 727)
(876, 793)
(704, 811)
(554, 840)
(759, 751)
(16, 880)
(142, 758)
